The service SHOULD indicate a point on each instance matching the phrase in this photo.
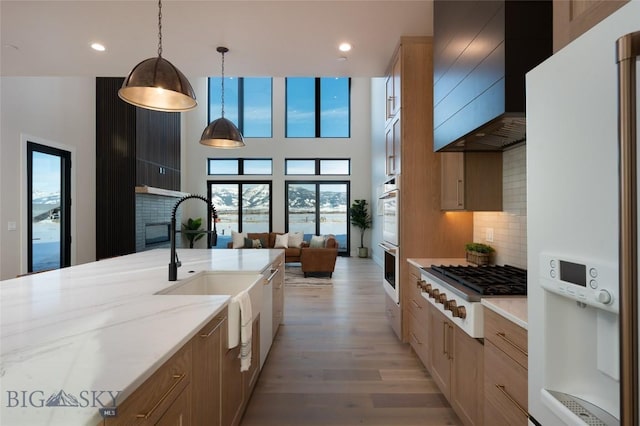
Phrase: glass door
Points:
(319, 208)
(49, 207)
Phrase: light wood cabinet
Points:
(164, 398)
(278, 297)
(471, 181)
(392, 87)
(393, 137)
(572, 18)
(393, 313)
(250, 377)
(207, 362)
(417, 308)
(457, 367)
(506, 370)
(424, 230)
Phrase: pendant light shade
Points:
(222, 133)
(157, 84)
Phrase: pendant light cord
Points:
(159, 28)
(222, 85)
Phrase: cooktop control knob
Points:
(461, 312)
(450, 305)
(442, 298)
(427, 288)
(434, 293)
(604, 297)
(420, 284)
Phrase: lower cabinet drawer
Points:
(148, 404)
(419, 338)
(505, 388)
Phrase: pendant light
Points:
(222, 133)
(158, 85)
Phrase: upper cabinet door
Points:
(571, 18)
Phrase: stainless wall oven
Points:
(389, 200)
(391, 271)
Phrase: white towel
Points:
(246, 325)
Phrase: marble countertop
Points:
(512, 308)
(97, 330)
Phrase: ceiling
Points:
(265, 38)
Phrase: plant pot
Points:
(476, 258)
(363, 252)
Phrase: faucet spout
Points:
(174, 262)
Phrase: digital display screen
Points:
(573, 273)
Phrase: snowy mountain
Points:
(256, 197)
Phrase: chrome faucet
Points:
(175, 263)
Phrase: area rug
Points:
(294, 277)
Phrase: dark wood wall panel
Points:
(115, 171)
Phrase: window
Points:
(319, 208)
(318, 107)
(318, 166)
(240, 166)
(242, 207)
(247, 102)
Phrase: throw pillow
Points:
(317, 241)
(257, 243)
(237, 239)
(248, 243)
(282, 241)
(295, 239)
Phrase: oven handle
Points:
(388, 248)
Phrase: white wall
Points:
(378, 161)
(358, 148)
(59, 111)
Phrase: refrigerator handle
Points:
(627, 50)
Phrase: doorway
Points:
(48, 207)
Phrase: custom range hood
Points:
(482, 51)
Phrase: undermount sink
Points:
(225, 284)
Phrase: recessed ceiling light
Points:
(344, 47)
(97, 46)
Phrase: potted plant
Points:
(191, 228)
(478, 253)
(361, 219)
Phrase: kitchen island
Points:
(74, 340)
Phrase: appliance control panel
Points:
(589, 282)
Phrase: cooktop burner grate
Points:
(493, 280)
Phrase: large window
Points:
(318, 107)
(247, 102)
(242, 207)
(317, 166)
(240, 166)
(319, 208)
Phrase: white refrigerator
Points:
(582, 324)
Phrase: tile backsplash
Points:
(510, 225)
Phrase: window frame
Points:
(240, 89)
(317, 166)
(317, 184)
(318, 109)
(241, 166)
(240, 183)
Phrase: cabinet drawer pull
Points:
(458, 199)
(274, 272)
(513, 401)
(504, 337)
(416, 304)
(218, 324)
(178, 378)
(415, 338)
(450, 354)
(444, 339)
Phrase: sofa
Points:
(268, 240)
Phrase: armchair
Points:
(319, 259)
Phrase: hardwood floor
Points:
(336, 361)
